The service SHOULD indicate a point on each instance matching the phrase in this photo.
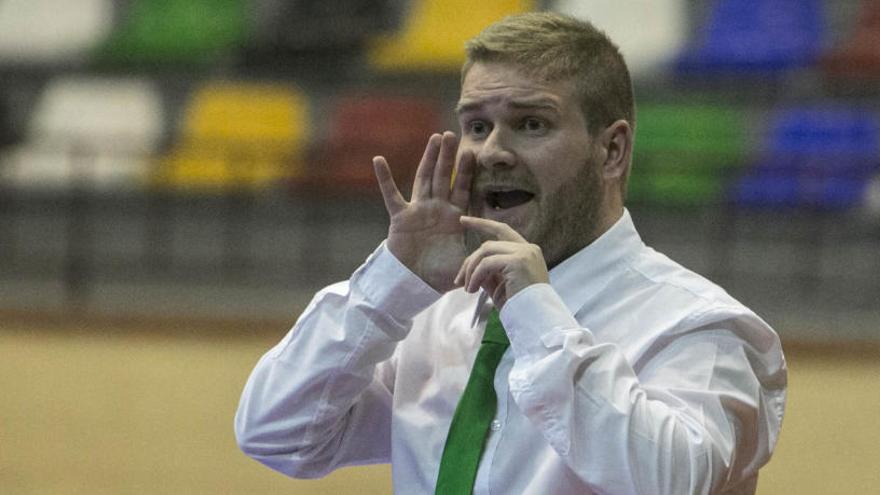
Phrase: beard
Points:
(566, 221)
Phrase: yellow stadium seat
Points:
(238, 136)
(434, 31)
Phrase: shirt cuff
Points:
(536, 319)
(391, 287)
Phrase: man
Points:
(625, 373)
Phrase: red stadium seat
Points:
(859, 55)
(361, 127)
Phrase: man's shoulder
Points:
(678, 299)
(661, 273)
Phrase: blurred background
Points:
(178, 177)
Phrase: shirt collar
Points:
(590, 269)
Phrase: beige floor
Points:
(119, 412)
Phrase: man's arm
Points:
(701, 415)
(321, 398)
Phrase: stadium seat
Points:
(859, 55)
(650, 33)
(434, 31)
(296, 26)
(177, 32)
(89, 132)
(35, 32)
(238, 136)
(684, 153)
(818, 158)
(748, 36)
(363, 126)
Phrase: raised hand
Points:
(501, 267)
(425, 233)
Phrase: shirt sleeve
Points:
(321, 398)
(700, 416)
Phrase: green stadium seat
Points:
(684, 153)
(177, 32)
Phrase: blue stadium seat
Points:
(818, 158)
(747, 36)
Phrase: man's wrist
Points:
(391, 287)
(533, 314)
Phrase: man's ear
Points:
(617, 143)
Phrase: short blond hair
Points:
(559, 47)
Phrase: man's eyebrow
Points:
(467, 107)
(532, 104)
(539, 103)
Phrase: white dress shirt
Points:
(626, 374)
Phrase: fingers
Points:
(499, 293)
(498, 230)
(485, 273)
(394, 201)
(465, 274)
(425, 172)
(441, 184)
(464, 176)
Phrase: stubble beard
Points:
(566, 221)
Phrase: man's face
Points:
(536, 167)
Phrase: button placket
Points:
(484, 475)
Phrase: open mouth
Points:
(502, 200)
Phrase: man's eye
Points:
(532, 124)
(478, 128)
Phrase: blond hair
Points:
(559, 47)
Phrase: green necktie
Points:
(474, 413)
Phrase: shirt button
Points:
(495, 425)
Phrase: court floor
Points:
(121, 410)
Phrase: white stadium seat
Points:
(52, 31)
(97, 133)
(649, 32)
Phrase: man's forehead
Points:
(525, 102)
(495, 83)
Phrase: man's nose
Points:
(496, 151)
